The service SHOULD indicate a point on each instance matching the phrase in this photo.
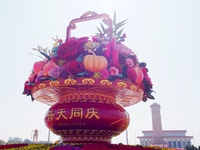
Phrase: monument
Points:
(163, 138)
(157, 126)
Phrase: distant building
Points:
(163, 138)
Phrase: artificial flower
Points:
(54, 72)
(129, 62)
(123, 50)
(133, 58)
(107, 51)
(50, 65)
(27, 88)
(70, 50)
(113, 71)
(64, 74)
(74, 67)
(104, 73)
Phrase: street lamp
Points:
(49, 136)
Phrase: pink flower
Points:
(114, 71)
(129, 62)
(123, 50)
(54, 73)
(124, 35)
(104, 73)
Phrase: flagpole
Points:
(126, 136)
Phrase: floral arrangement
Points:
(97, 146)
(100, 56)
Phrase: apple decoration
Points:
(134, 72)
(38, 66)
(50, 65)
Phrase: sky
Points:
(163, 33)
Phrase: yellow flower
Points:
(96, 75)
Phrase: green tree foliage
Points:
(14, 140)
(192, 147)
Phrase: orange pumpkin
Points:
(95, 63)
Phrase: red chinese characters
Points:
(79, 121)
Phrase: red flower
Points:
(70, 50)
(27, 88)
(74, 67)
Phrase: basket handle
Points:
(86, 17)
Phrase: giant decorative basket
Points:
(87, 105)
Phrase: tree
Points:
(27, 141)
(14, 140)
(2, 142)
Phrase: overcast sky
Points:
(163, 33)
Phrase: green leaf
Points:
(54, 49)
(79, 59)
(120, 24)
(52, 79)
(81, 73)
(99, 30)
(45, 55)
(119, 33)
(120, 75)
(104, 31)
(114, 19)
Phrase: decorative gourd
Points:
(95, 63)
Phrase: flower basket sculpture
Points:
(87, 81)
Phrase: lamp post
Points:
(126, 136)
(31, 135)
(49, 136)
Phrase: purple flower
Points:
(54, 73)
